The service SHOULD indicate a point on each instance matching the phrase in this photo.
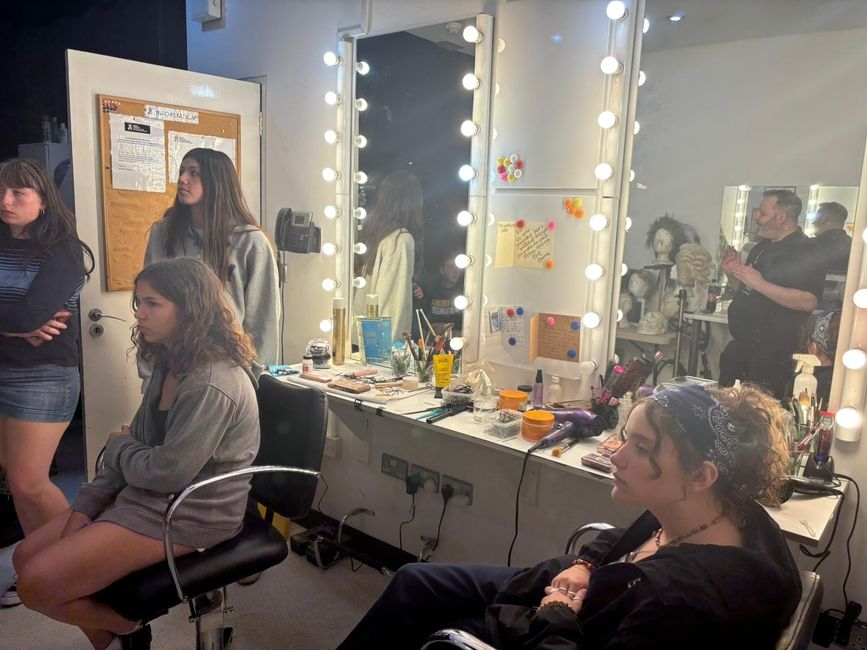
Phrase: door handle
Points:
(96, 314)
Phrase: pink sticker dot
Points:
(551, 225)
(520, 223)
(510, 312)
(549, 321)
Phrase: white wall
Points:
(787, 110)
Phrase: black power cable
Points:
(518, 502)
(447, 493)
(404, 523)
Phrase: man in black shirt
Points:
(776, 289)
(831, 237)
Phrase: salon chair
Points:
(293, 420)
(795, 637)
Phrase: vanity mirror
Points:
(414, 96)
(745, 97)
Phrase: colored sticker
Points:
(512, 340)
(520, 311)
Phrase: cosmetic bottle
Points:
(372, 305)
(338, 328)
(555, 391)
(538, 394)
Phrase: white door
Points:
(110, 386)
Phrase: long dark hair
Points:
(224, 209)
(399, 206)
(56, 223)
(207, 329)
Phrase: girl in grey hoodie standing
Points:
(198, 418)
(210, 220)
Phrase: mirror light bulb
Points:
(360, 141)
(359, 213)
(864, 235)
(587, 367)
(619, 315)
(631, 175)
(860, 298)
(624, 269)
(744, 188)
(606, 119)
(461, 302)
(598, 222)
(331, 59)
(332, 98)
(471, 81)
(362, 67)
(331, 212)
(646, 27)
(329, 249)
(854, 359)
(466, 173)
(331, 136)
(469, 128)
(465, 218)
(610, 65)
(360, 178)
(628, 224)
(642, 78)
(325, 325)
(488, 260)
(329, 175)
(591, 320)
(463, 260)
(594, 271)
(457, 343)
(848, 418)
(603, 171)
(360, 248)
(361, 104)
(359, 282)
(472, 35)
(329, 284)
(616, 10)
(636, 127)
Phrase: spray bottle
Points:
(805, 380)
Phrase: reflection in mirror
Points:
(408, 240)
(746, 97)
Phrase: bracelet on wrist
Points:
(587, 565)
(555, 603)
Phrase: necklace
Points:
(694, 531)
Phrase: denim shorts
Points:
(43, 393)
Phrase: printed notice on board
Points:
(181, 143)
(171, 114)
(138, 159)
(528, 247)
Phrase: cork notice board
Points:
(128, 213)
(554, 336)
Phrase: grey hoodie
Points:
(252, 287)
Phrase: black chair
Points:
(796, 636)
(293, 420)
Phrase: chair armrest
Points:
(455, 639)
(176, 502)
(578, 533)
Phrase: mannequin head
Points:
(641, 284)
(663, 245)
(666, 235)
(626, 303)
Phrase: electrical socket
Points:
(430, 480)
(461, 488)
(395, 467)
(858, 637)
(332, 447)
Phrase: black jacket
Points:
(688, 596)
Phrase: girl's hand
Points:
(573, 579)
(575, 601)
(124, 431)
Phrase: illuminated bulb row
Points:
(849, 417)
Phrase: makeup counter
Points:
(557, 495)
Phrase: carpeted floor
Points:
(293, 605)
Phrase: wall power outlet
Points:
(858, 637)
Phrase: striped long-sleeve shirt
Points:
(32, 290)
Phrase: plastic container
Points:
(555, 390)
(535, 425)
(515, 400)
(502, 424)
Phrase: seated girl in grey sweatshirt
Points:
(198, 418)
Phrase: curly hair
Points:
(207, 329)
(761, 456)
(224, 208)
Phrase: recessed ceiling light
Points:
(677, 16)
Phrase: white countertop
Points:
(803, 519)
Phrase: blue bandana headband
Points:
(705, 421)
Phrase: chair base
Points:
(212, 614)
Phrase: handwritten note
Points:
(527, 247)
(554, 335)
(513, 329)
